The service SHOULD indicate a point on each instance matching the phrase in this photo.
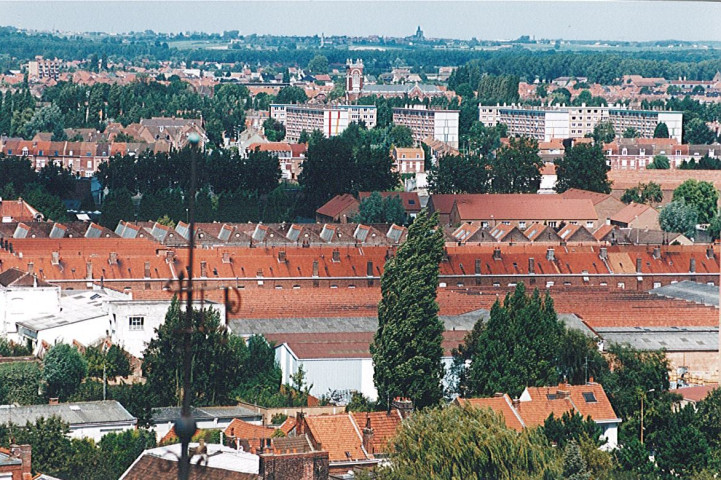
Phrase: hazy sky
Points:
(630, 20)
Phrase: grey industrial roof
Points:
(76, 307)
(78, 413)
(170, 414)
(700, 293)
(464, 321)
(671, 339)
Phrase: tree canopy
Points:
(406, 348)
(700, 195)
(583, 166)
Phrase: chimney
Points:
(336, 255)
(113, 259)
(226, 257)
(31, 267)
(146, 271)
(55, 258)
(53, 401)
(531, 265)
(639, 262)
(369, 269)
(516, 403)
(656, 252)
(550, 255)
(403, 405)
(603, 255)
(315, 268)
(299, 424)
(496, 254)
(709, 252)
(368, 435)
(203, 269)
(281, 257)
(89, 270)
(478, 266)
(692, 266)
(24, 453)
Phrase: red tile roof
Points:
(384, 425)
(695, 393)
(630, 212)
(338, 435)
(529, 207)
(502, 405)
(337, 205)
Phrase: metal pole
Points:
(185, 426)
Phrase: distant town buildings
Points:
(41, 68)
(332, 120)
(424, 122)
(546, 123)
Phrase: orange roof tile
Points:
(338, 435)
(384, 425)
(502, 405)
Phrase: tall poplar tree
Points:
(407, 346)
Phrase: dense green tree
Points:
(631, 132)
(115, 361)
(700, 195)
(57, 180)
(318, 65)
(406, 348)
(8, 348)
(660, 162)
(121, 449)
(603, 132)
(274, 130)
(217, 359)
(679, 217)
(51, 447)
(714, 227)
(86, 461)
(518, 347)
(260, 172)
(400, 136)
(19, 383)
(291, 95)
(46, 203)
(376, 209)
(17, 172)
(574, 466)
(583, 166)
(661, 130)
(570, 427)
(649, 193)
(460, 174)
(695, 132)
(327, 171)
(64, 368)
(467, 443)
(117, 205)
(680, 447)
(517, 167)
(47, 119)
(484, 141)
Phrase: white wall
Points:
(557, 125)
(96, 432)
(445, 127)
(674, 122)
(22, 303)
(153, 313)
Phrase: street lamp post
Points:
(643, 395)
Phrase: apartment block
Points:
(546, 123)
(331, 120)
(42, 68)
(428, 123)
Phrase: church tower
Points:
(354, 76)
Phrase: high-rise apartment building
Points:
(332, 120)
(545, 123)
(424, 123)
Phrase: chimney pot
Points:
(603, 253)
(531, 265)
(656, 252)
(478, 266)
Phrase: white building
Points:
(90, 315)
(546, 123)
(86, 419)
(23, 295)
(440, 125)
(331, 120)
(206, 418)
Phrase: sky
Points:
(486, 20)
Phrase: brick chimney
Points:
(31, 267)
(531, 265)
(639, 262)
(603, 254)
(403, 405)
(336, 255)
(315, 268)
(477, 270)
(656, 252)
(226, 257)
(281, 256)
(369, 269)
(24, 453)
(368, 435)
(709, 252)
(692, 265)
(203, 269)
(146, 270)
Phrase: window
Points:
(552, 224)
(521, 225)
(589, 224)
(136, 323)
(589, 397)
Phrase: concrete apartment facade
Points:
(331, 120)
(424, 123)
(546, 123)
